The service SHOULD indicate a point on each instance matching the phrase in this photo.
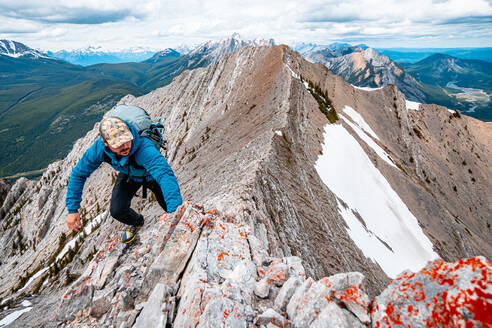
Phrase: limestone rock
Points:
(442, 294)
(154, 313)
(75, 300)
(262, 288)
(286, 293)
(270, 316)
(101, 302)
(332, 316)
(348, 289)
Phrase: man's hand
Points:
(73, 221)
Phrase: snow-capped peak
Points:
(211, 51)
(16, 49)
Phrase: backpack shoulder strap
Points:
(106, 158)
(133, 162)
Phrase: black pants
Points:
(123, 191)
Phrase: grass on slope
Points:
(41, 129)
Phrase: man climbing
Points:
(140, 164)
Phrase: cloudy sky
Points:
(158, 24)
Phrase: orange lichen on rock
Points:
(221, 255)
(442, 294)
(352, 294)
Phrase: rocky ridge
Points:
(183, 273)
(244, 136)
(212, 51)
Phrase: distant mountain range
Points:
(47, 103)
(442, 69)
(413, 55)
(96, 55)
(439, 79)
(366, 68)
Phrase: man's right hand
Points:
(73, 221)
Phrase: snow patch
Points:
(87, 231)
(292, 72)
(12, 46)
(359, 120)
(13, 316)
(412, 105)
(377, 149)
(348, 172)
(366, 88)
(34, 277)
(26, 303)
(366, 240)
(279, 132)
(70, 244)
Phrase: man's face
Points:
(123, 150)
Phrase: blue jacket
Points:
(144, 153)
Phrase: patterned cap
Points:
(114, 131)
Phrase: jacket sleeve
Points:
(89, 162)
(152, 160)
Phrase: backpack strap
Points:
(106, 158)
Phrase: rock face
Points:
(247, 136)
(4, 189)
(365, 67)
(440, 295)
(186, 274)
(149, 285)
(212, 51)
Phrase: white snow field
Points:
(412, 105)
(349, 173)
(366, 88)
(362, 125)
(13, 316)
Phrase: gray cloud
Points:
(160, 23)
(14, 30)
(470, 20)
(329, 13)
(69, 15)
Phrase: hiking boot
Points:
(129, 235)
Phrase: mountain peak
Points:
(211, 51)
(16, 49)
(163, 54)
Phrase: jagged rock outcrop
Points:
(188, 274)
(246, 136)
(440, 295)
